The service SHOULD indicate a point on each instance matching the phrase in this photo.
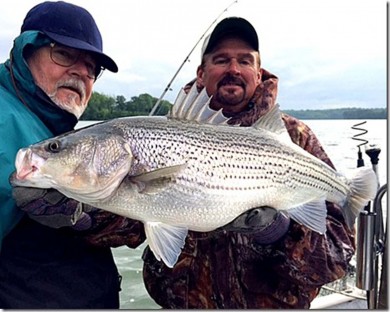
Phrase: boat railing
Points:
(366, 279)
(371, 245)
(365, 284)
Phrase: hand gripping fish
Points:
(191, 171)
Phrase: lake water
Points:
(336, 138)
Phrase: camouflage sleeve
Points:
(302, 135)
(111, 230)
(303, 260)
(290, 273)
(308, 253)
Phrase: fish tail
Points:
(363, 188)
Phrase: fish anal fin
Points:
(312, 215)
(166, 241)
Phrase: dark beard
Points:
(230, 80)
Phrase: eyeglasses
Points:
(66, 57)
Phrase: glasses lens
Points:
(64, 56)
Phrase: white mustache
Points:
(70, 105)
(74, 83)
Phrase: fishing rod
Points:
(168, 87)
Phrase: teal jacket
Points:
(27, 116)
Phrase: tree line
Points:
(103, 107)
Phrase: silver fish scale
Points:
(257, 167)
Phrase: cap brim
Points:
(104, 60)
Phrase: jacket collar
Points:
(262, 101)
(17, 79)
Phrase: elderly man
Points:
(44, 87)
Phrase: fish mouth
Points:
(27, 164)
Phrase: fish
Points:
(191, 170)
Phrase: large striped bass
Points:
(191, 171)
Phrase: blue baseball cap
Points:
(70, 25)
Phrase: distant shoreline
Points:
(339, 113)
(103, 107)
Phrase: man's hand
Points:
(51, 208)
(265, 225)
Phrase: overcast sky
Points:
(327, 54)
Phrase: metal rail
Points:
(371, 237)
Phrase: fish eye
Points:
(54, 147)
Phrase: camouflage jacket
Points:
(222, 269)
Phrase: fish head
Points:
(85, 166)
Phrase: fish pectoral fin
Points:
(311, 215)
(157, 180)
(166, 241)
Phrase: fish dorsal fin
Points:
(273, 122)
(194, 106)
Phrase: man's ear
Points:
(259, 75)
(199, 76)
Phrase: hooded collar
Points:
(17, 79)
(261, 102)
